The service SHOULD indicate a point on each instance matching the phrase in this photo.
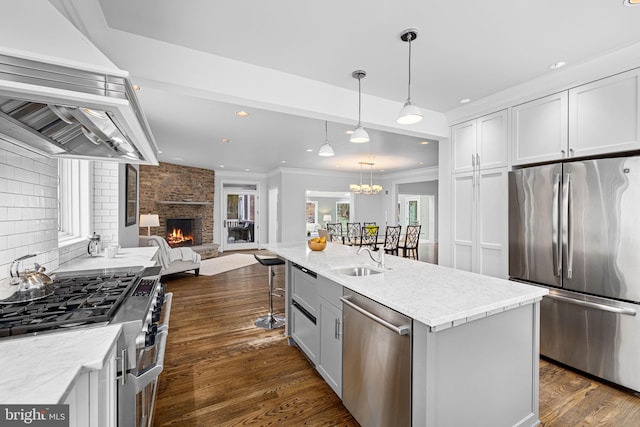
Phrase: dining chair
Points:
(392, 239)
(353, 233)
(411, 239)
(335, 232)
(369, 237)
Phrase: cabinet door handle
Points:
(570, 152)
(338, 329)
(563, 153)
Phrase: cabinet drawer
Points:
(330, 291)
(304, 288)
(305, 333)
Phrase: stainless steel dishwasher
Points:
(376, 362)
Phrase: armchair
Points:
(173, 260)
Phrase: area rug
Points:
(213, 266)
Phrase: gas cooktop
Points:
(78, 299)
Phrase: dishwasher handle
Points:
(400, 330)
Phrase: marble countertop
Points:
(440, 297)
(127, 257)
(41, 369)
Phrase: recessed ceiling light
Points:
(421, 163)
(424, 142)
(348, 132)
(160, 151)
(247, 170)
(225, 140)
(283, 161)
(465, 100)
(557, 65)
(178, 158)
(631, 2)
(309, 150)
(222, 166)
(136, 87)
(242, 113)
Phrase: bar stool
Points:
(270, 321)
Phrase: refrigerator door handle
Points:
(595, 305)
(555, 230)
(567, 224)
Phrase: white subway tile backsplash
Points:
(29, 207)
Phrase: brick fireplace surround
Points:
(174, 191)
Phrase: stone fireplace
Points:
(184, 232)
(183, 194)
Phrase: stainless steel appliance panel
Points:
(603, 228)
(376, 354)
(534, 225)
(594, 335)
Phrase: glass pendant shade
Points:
(409, 114)
(326, 150)
(359, 135)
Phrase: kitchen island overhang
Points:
(475, 342)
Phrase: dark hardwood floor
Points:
(220, 370)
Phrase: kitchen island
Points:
(474, 338)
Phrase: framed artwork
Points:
(131, 196)
(311, 211)
(342, 213)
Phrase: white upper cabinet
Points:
(596, 118)
(539, 130)
(604, 115)
(480, 143)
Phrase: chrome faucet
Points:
(379, 262)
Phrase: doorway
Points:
(240, 219)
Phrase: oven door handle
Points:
(140, 381)
(146, 377)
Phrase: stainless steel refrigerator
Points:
(574, 227)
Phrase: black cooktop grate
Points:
(76, 301)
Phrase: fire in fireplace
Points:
(184, 232)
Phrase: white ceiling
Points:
(465, 49)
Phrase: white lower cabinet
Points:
(330, 363)
(315, 322)
(480, 222)
(93, 398)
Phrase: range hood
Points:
(59, 111)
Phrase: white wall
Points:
(294, 185)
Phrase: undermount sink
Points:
(358, 271)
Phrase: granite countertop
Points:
(440, 297)
(41, 369)
(127, 257)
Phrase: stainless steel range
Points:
(132, 297)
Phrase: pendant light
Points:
(410, 113)
(366, 188)
(359, 135)
(326, 150)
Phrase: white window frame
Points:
(74, 200)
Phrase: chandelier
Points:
(366, 188)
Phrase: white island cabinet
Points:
(76, 367)
(474, 338)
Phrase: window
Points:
(73, 199)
